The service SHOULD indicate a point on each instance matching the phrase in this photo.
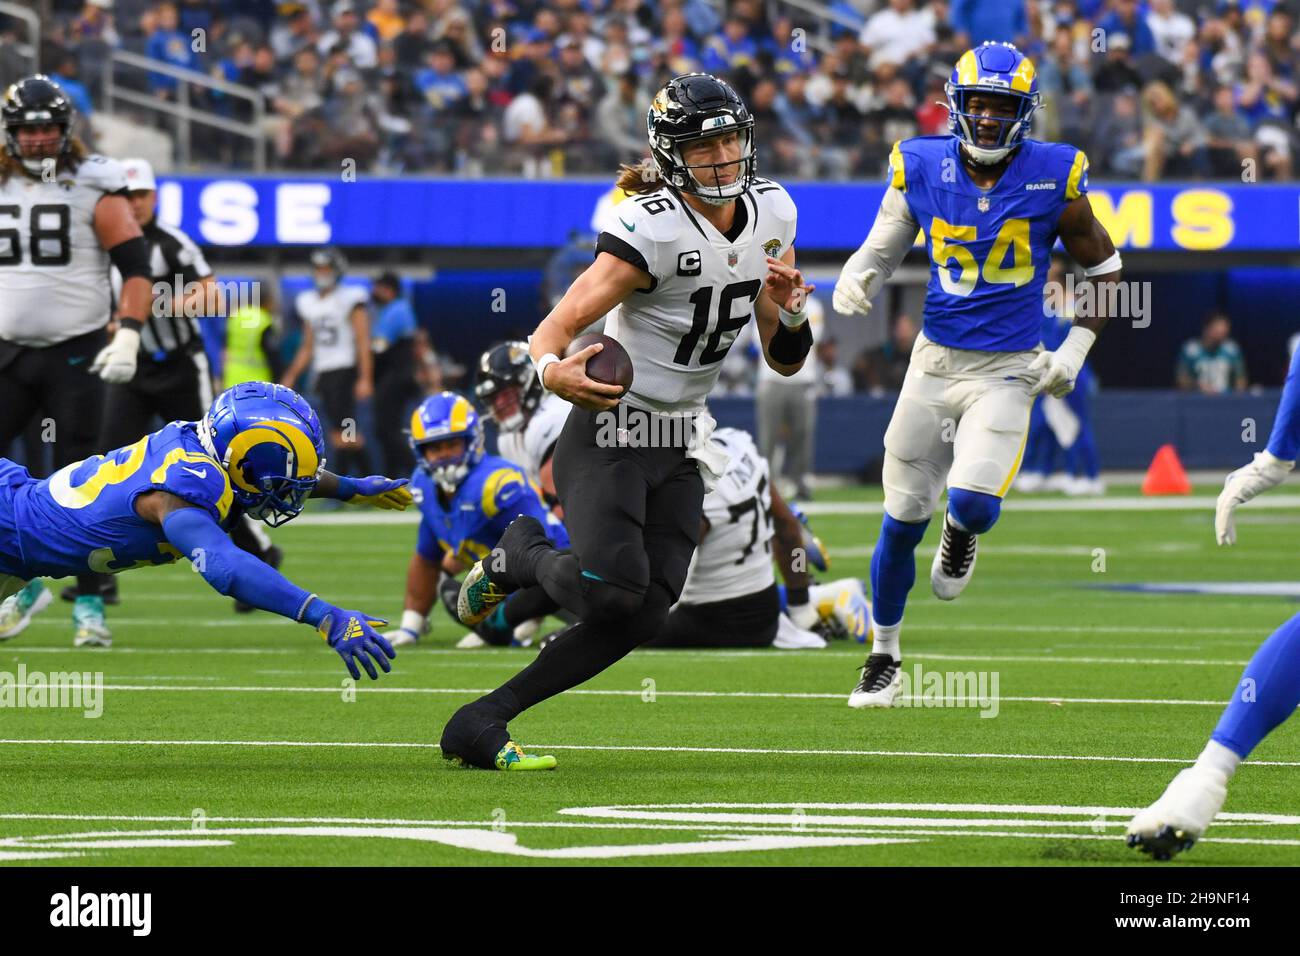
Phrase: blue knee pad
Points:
(893, 568)
(974, 510)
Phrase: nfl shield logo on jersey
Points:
(982, 204)
(732, 258)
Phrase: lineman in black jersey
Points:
(702, 245)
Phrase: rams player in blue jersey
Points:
(175, 493)
(466, 500)
(1269, 690)
(992, 204)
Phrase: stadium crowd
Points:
(1162, 89)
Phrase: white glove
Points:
(1263, 473)
(115, 362)
(1058, 370)
(850, 296)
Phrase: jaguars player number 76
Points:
(258, 451)
(992, 204)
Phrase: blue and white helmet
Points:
(270, 443)
(992, 68)
(439, 418)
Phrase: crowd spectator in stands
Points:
(984, 20)
(1175, 140)
(1124, 18)
(1171, 29)
(620, 120)
(348, 36)
(1212, 364)
(168, 44)
(95, 22)
(832, 380)
(895, 33)
(1117, 146)
(1229, 140)
(824, 109)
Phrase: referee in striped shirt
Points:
(172, 381)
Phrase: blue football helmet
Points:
(441, 417)
(270, 443)
(992, 68)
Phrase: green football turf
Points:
(227, 739)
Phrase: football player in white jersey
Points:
(64, 217)
(528, 418)
(702, 245)
(731, 598)
(336, 345)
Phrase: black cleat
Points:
(1164, 844)
(880, 683)
(474, 737)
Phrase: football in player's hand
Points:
(610, 366)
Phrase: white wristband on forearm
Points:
(792, 320)
(413, 621)
(543, 364)
(1076, 345)
(1105, 267)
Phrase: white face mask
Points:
(323, 283)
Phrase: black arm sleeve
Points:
(131, 258)
(789, 346)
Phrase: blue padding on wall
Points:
(1207, 430)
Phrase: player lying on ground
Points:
(963, 413)
(1269, 690)
(529, 419)
(731, 598)
(466, 500)
(703, 244)
(176, 493)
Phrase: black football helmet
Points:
(36, 100)
(328, 258)
(690, 107)
(504, 365)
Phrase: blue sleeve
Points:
(395, 322)
(427, 544)
(1285, 439)
(230, 570)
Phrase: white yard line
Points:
(754, 751)
(930, 700)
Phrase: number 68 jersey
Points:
(53, 270)
(703, 286)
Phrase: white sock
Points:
(885, 640)
(1217, 757)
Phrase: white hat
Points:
(139, 174)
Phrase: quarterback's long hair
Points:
(71, 158)
(642, 178)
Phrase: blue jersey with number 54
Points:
(82, 518)
(989, 249)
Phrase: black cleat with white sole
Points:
(882, 678)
